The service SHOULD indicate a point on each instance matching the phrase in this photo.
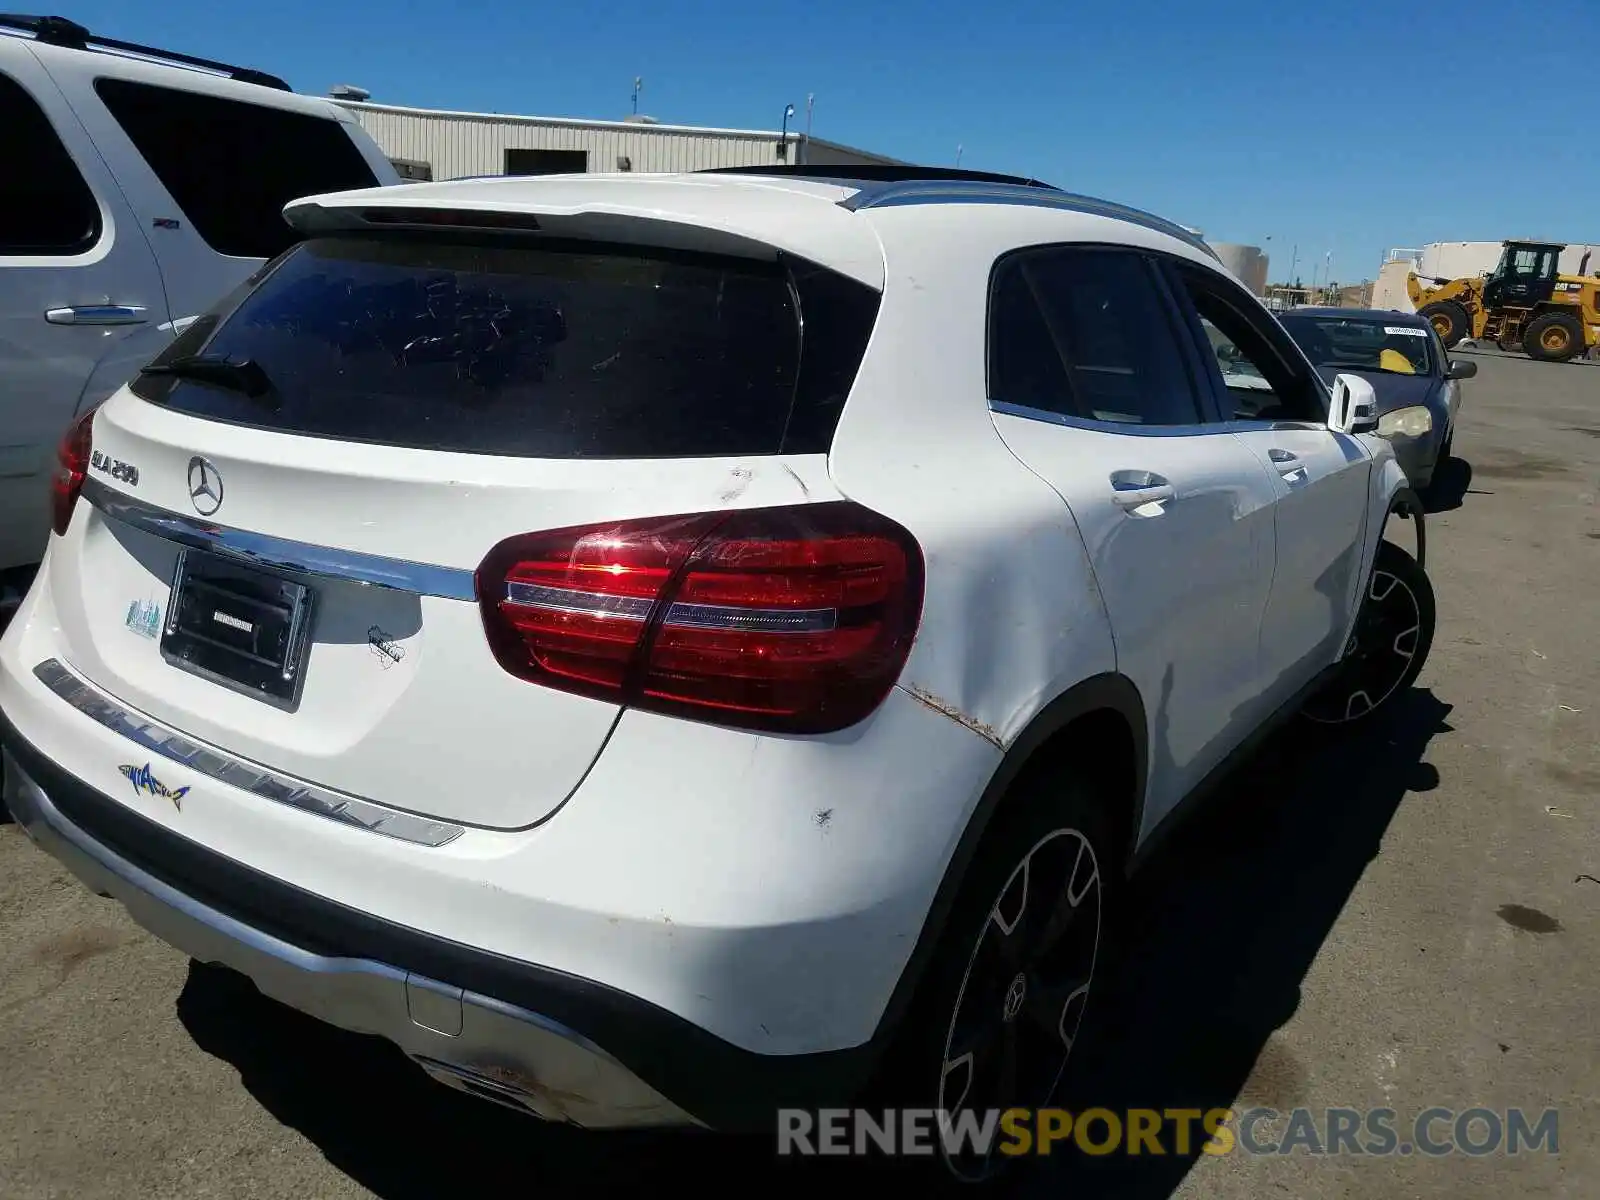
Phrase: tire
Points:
(1013, 971)
(1449, 321)
(1393, 634)
(1554, 337)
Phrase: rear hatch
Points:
(281, 524)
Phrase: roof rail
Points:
(882, 173)
(59, 31)
(915, 192)
(896, 184)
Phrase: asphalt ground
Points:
(1401, 920)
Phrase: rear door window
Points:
(1258, 372)
(1087, 333)
(231, 166)
(46, 208)
(490, 347)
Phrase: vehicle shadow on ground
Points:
(1451, 484)
(1223, 925)
(1220, 929)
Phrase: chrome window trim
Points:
(1044, 415)
(1237, 425)
(373, 570)
(218, 765)
(1246, 425)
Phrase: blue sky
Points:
(1349, 127)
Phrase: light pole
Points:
(811, 100)
(638, 82)
(958, 155)
(783, 138)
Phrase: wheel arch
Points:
(1096, 710)
(1407, 505)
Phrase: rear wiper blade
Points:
(244, 376)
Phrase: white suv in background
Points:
(657, 648)
(139, 186)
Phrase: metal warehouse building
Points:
(429, 144)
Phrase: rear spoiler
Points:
(756, 223)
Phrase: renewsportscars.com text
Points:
(1431, 1132)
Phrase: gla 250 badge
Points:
(122, 471)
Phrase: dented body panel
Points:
(1012, 615)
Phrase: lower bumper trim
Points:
(225, 768)
(521, 1057)
(554, 1044)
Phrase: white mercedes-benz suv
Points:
(662, 648)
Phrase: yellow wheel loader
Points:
(1524, 303)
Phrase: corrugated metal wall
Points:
(827, 154)
(456, 146)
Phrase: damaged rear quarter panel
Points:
(1011, 616)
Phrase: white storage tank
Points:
(1458, 260)
(1249, 263)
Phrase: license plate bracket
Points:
(238, 626)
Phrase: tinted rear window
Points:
(491, 347)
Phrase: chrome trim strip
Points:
(680, 614)
(1245, 425)
(570, 600)
(1128, 428)
(225, 768)
(751, 620)
(374, 570)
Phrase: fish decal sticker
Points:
(144, 781)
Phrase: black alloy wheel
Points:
(1024, 993)
(1386, 651)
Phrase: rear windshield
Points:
(491, 347)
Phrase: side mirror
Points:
(1353, 407)
(1460, 368)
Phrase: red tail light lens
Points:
(72, 463)
(795, 619)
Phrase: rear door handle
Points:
(1289, 466)
(1134, 489)
(96, 314)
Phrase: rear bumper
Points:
(561, 1047)
(735, 922)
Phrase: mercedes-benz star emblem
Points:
(205, 486)
(1015, 995)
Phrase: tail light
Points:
(795, 619)
(72, 462)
